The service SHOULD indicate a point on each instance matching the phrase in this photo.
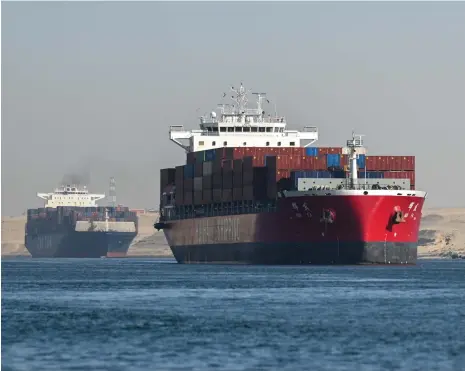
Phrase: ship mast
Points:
(354, 148)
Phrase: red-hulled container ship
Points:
(254, 192)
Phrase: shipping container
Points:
(198, 169)
(400, 175)
(371, 174)
(311, 151)
(217, 181)
(198, 197)
(282, 174)
(227, 179)
(238, 153)
(237, 194)
(237, 178)
(191, 158)
(307, 163)
(207, 196)
(199, 157)
(229, 153)
(179, 198)
(207, 182)
(189, 184)
(259, 160)
(361, 161)
(189, 171)
(227, 195)
(217, 195)
(237, 166)
(320, 163)
(227, 165)
(333, 160)
(207, 168)
(198, 184)
(294, 162)
(210, 155)
(188, 197)
(179, 174)
(329, 150)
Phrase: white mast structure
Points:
(236, 125)
(353, 149)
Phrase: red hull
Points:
(361, 231)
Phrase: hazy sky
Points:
(92, 88)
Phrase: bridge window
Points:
(246, 129)
(276, 130)
(254, 129)
(261, 129)
(238, 129)
(225, 143)
(267, 144)
(213, 143)
(222, 129)
(279, 143)
(230, 130)
(292, 143)
(201, 143)
(269, 130)
(244, 144)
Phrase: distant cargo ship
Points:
(254, 192)
(72, 225)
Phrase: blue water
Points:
(136, 314)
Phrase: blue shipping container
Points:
(371, 174)
(333, 160)
(339, 174)
(311, 151)
(210, 155)
(361, 161)
(189, 171)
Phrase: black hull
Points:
(344, 253)
(79, 244)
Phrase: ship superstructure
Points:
(254, 192)
(236, 125)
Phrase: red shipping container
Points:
(282, 174)
(298, 151)
(376, 163)
(400, 175)
(294, 162)
(285, 151)
(238, 153)
(307, 163)
(283, 162)
(250, 151)
(329, 150)
(258, 160)
(320, 163)
(408, 163)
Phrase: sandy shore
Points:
(442, 235)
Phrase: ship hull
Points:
(360, 231)
(348, 253)
(79, 244)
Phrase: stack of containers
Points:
(217, 180)
(207, 182)
(198, 183)
(393, 167)
(237, 180)
(227, 191)
(179, 182)
(189, 171)
(167, 177)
